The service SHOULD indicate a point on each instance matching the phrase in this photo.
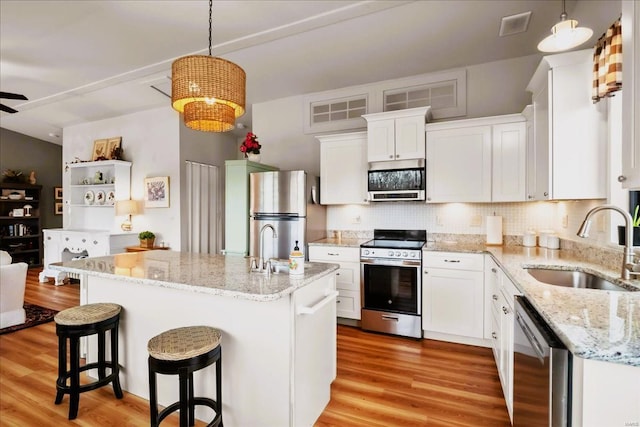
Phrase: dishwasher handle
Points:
(535, 344)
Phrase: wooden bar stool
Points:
(182, 352)
(77, 322)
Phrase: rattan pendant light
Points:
(209, 91)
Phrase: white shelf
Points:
(92, 185)
(84, 205)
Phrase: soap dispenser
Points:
(296, 261)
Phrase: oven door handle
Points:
(390, 317)
(375, 261)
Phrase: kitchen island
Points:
(278, 331)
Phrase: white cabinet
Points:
(348, 302)
(90, 192)
(570, 132)
(508, 173)
(499, 300)
(63, 245)
(477, 160)
(343, 168)
(631, 99)
(453, 294)
(396, 135)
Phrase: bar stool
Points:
(72, 324)
(183, 351)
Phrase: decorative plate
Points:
(111, 197)
(89, 197)
(100, 198)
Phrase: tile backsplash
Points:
(562, 217)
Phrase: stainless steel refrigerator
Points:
(288, 201)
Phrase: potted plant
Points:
(251, 147)
(147, 239)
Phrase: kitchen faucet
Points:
(628, 264)
(261, 263)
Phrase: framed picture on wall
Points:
(156, 192)
(57, 193)
(113, 148)
(58, 208)
(99, 150)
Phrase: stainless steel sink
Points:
(573, 279)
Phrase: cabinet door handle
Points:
(494, 335)
(495, 297)
(391, 156)
(505, 310)
(546, 193)
(622, 178)
(397, 156)
(493, 270)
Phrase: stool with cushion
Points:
(13, 280)
(77, 322)
(181, 352)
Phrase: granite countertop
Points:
(344, 242)
(593, 324)
(212, 274)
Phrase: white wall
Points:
(150, 140)
(493, 88)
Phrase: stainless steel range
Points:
(390, 272)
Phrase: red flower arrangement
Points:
(250, 144)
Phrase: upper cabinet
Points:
(477, 160)
(343, 168)
(396, 135)
(569, 131)
(630, 177)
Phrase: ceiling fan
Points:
(9, 95)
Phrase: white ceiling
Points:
(79, 61)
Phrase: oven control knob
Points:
(397, 253)
(404, 254)
(413, 254)
(390, 253)
(366, 252)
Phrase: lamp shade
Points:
(202, 78)
(126, 207)
(209, 117)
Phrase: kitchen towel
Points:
(494, 230)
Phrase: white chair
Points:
(13, 279)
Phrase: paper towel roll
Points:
(494, 230)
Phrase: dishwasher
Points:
(541, 372)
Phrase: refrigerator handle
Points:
(314, 195)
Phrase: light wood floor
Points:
(382, 380)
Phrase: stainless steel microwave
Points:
(397, 180)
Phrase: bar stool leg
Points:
(184, 398)
(191, 401)
(115, 366)
(74, 392)
(62, 367)
(219, 387)
(102, 372)
(153, 397)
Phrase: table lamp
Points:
(128, 208)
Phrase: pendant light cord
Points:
(210, 24)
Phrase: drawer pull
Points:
(332, 254)
(505, 310)
(495, 297)
(493, 270)
(392, 318)
(451, 260)
(494, 336)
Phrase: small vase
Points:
(253, 157)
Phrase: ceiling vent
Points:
(514, 24)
